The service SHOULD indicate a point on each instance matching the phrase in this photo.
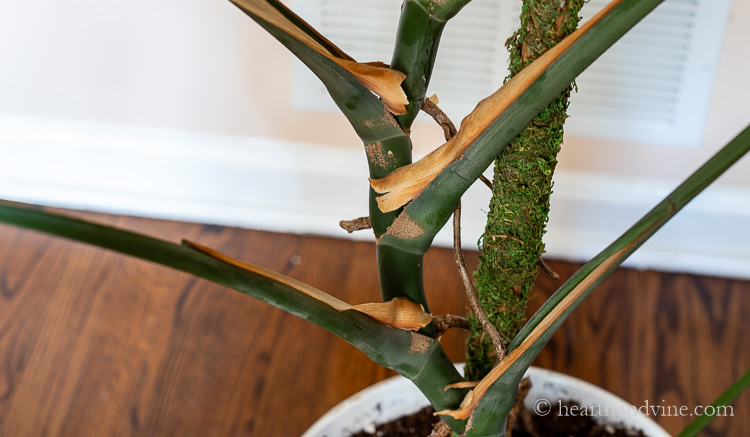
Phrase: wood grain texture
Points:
(96, 344)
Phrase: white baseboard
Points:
(299, 188)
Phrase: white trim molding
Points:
(300, 188)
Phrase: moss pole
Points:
(519, 208)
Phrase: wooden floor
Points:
(97, 344)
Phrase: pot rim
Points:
(558, 386)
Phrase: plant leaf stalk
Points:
(365, 111)
(491, 409)
(415, 356)
(673, 203)
(717, 406)
(386, 144)
(414, 54)
(442, 10)
(417, 41)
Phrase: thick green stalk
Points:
(386, 144)
(442, 10)
(434, 206)
(400, 272)
(489, 415)
(415, 356)
(512, 242)
(414, 55)
(416, 48)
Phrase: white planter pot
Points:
(397, 396)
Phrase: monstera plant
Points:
(519, 127)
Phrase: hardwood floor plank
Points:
(93, 343)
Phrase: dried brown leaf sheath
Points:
(462, 384)
(379, 79)
(409, 181)
(398, 313)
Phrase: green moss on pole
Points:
(519, 208)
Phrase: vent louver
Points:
(652, 86)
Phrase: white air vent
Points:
(652, 86)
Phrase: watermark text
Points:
(543, 407)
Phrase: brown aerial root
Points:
(486, 181)
(445, 322)
(440, 430)
(523, 389)
(356, 224)
(449, 130)
(471, 291)
(430, 107)
(547, 270)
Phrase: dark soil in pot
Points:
(529, 424)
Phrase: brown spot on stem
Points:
(405, 228)
(419, 343)
(385, 120)
(375, 154)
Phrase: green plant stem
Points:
(434, 206)
(441, 10)
(415, 356)
(414, 54)
(489, 416)
(386, 144)
(417, 41)
(401, 275)
(400, 272)
(512, 242)
(726, 398)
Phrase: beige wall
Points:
(729, 113)
(205, 67)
